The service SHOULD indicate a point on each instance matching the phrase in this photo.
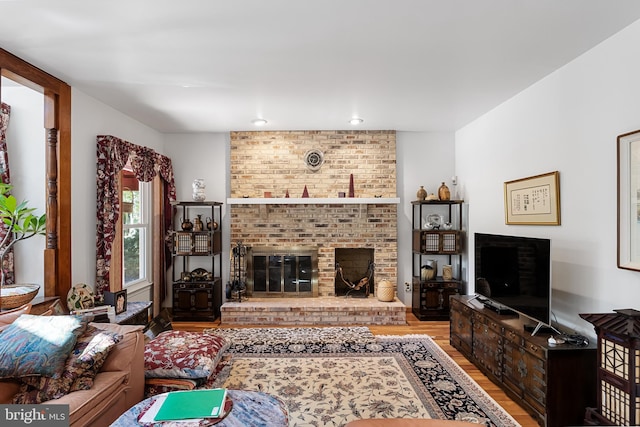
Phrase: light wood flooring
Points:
(439, 331)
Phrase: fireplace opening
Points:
(354, 272)
(282, 272)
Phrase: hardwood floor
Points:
(439, 331)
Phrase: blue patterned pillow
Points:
(38, 345)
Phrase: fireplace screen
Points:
(282, 272)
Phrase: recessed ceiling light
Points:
(259, 122)
(356, 121)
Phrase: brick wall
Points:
(273, 161)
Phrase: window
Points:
(136, 231)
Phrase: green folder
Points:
(182, 405)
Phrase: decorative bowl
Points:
(14, 296)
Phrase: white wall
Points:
(26, 144)
(423, 158)
(567, 122)
(202, 156)
(90, 118)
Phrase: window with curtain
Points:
(113, 155)
(137, 245)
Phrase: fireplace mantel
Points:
(314, 201)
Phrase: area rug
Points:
(330, 384)
(278, 336)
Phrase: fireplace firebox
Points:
(354, 272)
(282, 272)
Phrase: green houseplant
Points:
(21, 224)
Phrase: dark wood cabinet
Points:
(554, 384)
(487, 344)
(430, 296)
(197, 261)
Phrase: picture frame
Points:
(628, 147)
(117, 299)
(534, 200)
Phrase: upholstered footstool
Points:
(181, 360)
(407, 422)
(250, 408)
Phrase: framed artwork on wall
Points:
(629, 201)
(533, 201)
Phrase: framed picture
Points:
(117, 299)
(629, 201)
(533, 201)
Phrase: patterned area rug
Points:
(276, 336)
(330, 384)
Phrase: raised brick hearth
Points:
(314, 311)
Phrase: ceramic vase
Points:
(198, 187)
(443, 192)
(422, 193)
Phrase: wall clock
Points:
(314, 159)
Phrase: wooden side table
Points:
(137, 313)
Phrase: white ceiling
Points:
(210, 65)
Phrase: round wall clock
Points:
(314, 159)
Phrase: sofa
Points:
(118, 385)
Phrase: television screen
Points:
(515, 272)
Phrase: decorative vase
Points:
(443, 192)
(197, 223)
(447, 272)
(286, 195)
(186, 224)
(422, 193)
(211, 224)
(198, 190)
(352, 192)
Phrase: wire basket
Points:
(13, 296)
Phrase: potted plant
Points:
(21, 224)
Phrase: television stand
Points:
(497, 308)
(553, 383)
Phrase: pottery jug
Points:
(443, 192)
(211, 224)
(186, 224)
(197, 223)
(422, 193)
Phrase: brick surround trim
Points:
(273, 161)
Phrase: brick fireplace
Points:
(271, 164)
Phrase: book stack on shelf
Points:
(188, 405)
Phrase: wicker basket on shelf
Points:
(13, 296)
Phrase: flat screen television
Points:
(515, 272)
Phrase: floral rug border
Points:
(464, 401)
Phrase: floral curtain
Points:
(112, 155)
(5, 112)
